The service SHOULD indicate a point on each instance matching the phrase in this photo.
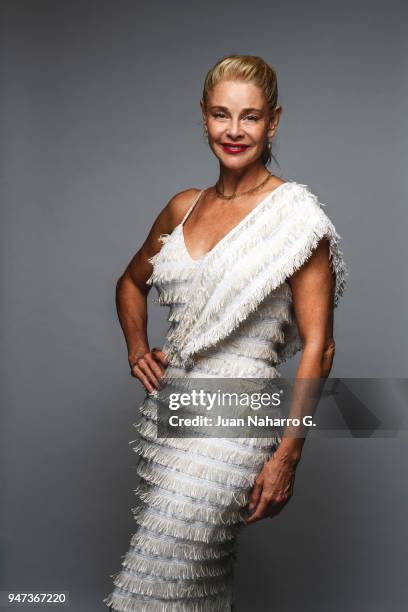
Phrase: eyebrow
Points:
(244, 110)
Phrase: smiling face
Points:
(238, 122)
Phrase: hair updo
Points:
(250, 68)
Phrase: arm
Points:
(312, 290)
(132, 292)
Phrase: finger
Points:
(144, 364)
(260, 511)
(255, 495)
(156, 368)
(161, 356)
(143, 379)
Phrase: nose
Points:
(234, 130)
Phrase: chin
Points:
(236, 164)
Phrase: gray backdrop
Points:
(100, 126)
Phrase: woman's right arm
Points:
(132, 291)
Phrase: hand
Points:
(273, 488)
(149, 367)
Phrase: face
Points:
(238, 123)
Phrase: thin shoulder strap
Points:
(192, 206)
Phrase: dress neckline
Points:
(232, 231)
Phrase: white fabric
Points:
(273, 241)
(233, 311)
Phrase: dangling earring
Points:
(269, 144)
(205, 132)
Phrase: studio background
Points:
(100, 126)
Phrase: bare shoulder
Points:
(180, 203)
(169, 217)
(140, 267)
(277, 182)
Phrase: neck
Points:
(233, 181)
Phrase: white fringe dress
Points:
(193, 493)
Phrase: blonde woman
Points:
(251, 271)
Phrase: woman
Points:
(252, 271)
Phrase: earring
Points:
(205, 132)
(269, 143)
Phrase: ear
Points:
(274, 121)
(203, 109)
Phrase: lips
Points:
(234, 149)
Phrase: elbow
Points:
(328, 357)
(320, 356)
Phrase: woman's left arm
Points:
(313, 294)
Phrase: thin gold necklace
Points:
(238, 195)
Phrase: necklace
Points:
(238, 195)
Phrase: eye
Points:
(218, 114)
(252, 117)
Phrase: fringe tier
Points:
(191, 504)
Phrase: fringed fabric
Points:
(230, 452)
(244, 278)
(231, 315)
(232, 281)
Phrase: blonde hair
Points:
(250, 68)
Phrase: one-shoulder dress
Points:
(193, 493)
